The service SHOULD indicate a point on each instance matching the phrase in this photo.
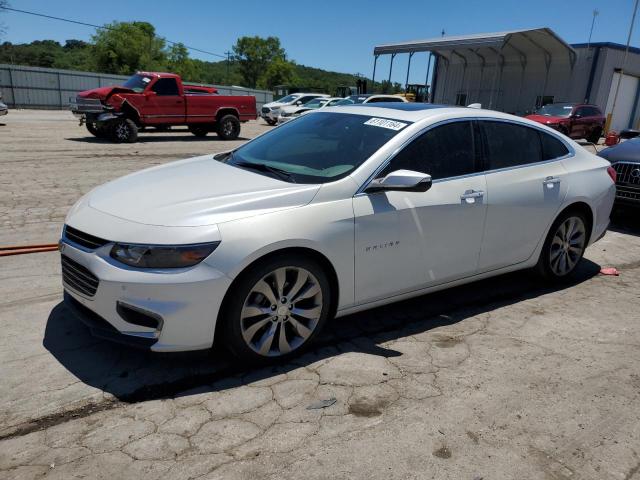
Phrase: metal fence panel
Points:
(36, 87)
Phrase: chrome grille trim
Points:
(83, 239)
(624, 171)
(78, 278)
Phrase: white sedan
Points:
(292, 111)
(342, 210)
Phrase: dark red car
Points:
(575, 120)
(161, 100)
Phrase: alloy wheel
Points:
(122, 131)
(567, 246)
(227, 128)
(281, 311)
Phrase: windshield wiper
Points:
(266, 168)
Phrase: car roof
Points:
(415, 112)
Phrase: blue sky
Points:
(335, 35)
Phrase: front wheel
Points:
(276, 309)
(229, 127)
(124, 130)
(564, 247)
(270, 122)
(594, 136)
(95, 130)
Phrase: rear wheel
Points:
(276, 309)
(124, 130)
(228, 127)
(199, 130)
(564, 247)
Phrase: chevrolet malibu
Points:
(335, 212)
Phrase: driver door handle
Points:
(470, 195)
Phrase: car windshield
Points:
(287, 99)
(317, 148)
(351, 100)
(555, 110)
(137, 82)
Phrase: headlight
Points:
(162, 256)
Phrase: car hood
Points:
(545, 118)
(628, 151)
(103, 92)
(275, 104)
(196, 192)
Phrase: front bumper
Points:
(3, 109)
(185, 301)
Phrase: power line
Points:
(103, 27)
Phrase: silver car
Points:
(339, 211)
(3, 107)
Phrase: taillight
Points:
(612, 173)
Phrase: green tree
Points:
(253, 56)
(279, 72)
(178, 61)
(124, 47)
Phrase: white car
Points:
(342, 210)
(371, 98)
(270, 111)
(292, 111)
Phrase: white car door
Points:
(405, 241)
(527, 185)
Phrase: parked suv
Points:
(625, 159)
(574, 120)
(271, 111)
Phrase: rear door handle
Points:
(551, 181)
(470, 195)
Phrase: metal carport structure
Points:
(510, 71)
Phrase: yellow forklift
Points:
(416, 92)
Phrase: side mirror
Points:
(298, 103)
(403, 180)
(150, 93)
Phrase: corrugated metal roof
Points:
(535, 39)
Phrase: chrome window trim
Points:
(393, 154)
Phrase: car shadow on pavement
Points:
(625, 220)
(160, 137)
(135, 376)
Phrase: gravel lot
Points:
(501, 379)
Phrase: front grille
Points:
(83, 239)
(86, 105)
(628, 193)
(628, 173)
(78, 278)
(266, 109)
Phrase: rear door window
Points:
(552, 147)
(442, 152)
(510, 145)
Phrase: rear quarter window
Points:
(552, 147)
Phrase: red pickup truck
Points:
(160, 100)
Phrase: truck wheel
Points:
(124, 130)
(229, 127)
(95, 130)
(199, 130)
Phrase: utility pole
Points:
(443, 32)
(624, 64)
(593, 21)
(228, 54)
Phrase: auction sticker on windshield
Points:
(384, 123)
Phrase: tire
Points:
(228, 127)
(199, 130)
(95, 130)
(124, 130)
(594, 136)
(564, 247)
(270, 122)
(255, 316)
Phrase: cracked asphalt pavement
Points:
(500, 379)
